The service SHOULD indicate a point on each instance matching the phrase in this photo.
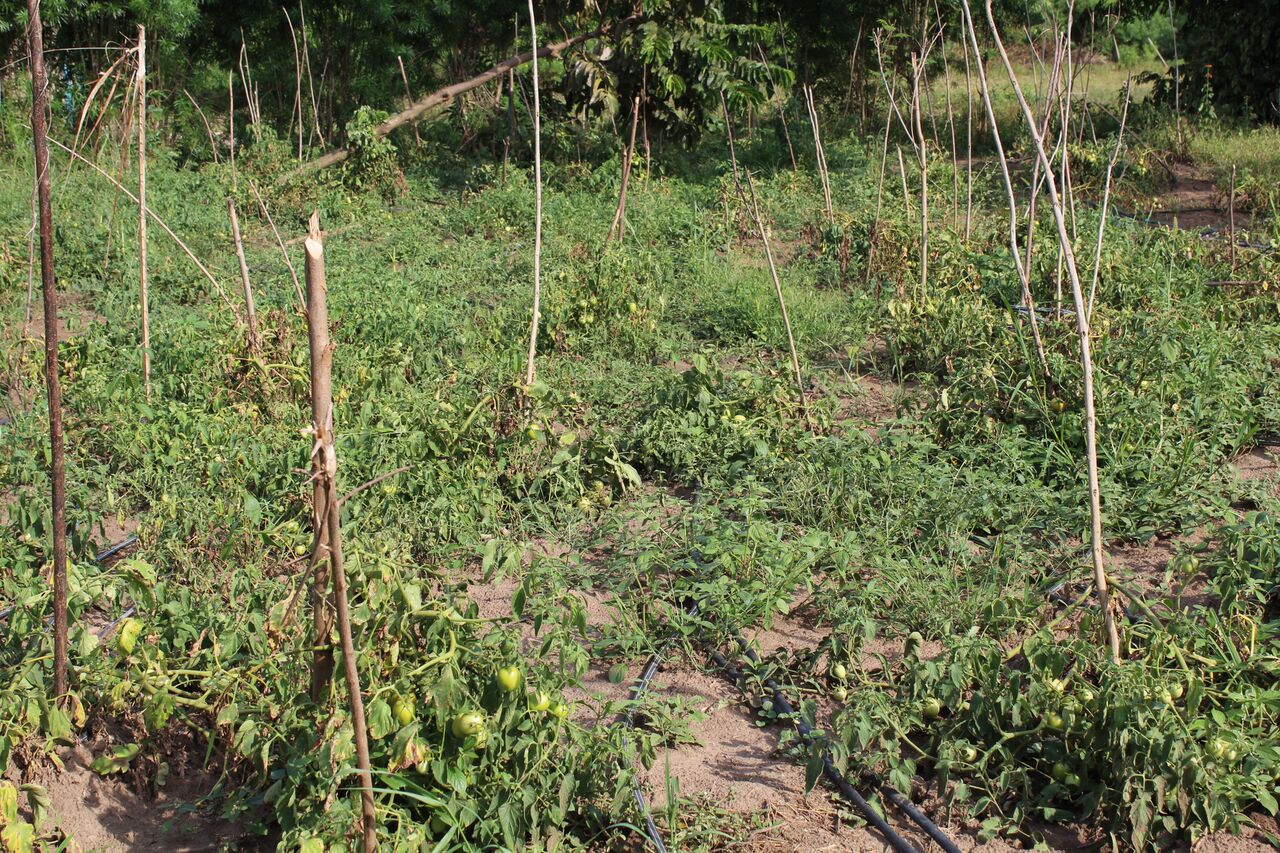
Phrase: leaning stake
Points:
(1086, 360)
(250, 313)
(328, 537)
(57, 473)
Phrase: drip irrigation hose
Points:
(829, 770)
(101, 557)
(893, 795)
(627, 721)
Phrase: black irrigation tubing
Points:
(829, 770)
(101, 557)
(627, 720)
(905, 805)
(833, 775)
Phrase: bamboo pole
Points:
(231, 126)
(782, 302)
(922, 154)
(142, 210)
(968, 150)
(164, 227)
(819, 154)
(408, 97)
(733, 153)
(1024, 274)
(1231, 219)
(619, 215)
(250, 314)
(57, 472)
(327, 559)
(1086, 360)
(531, 367)
(297, 84)
(1106, 198)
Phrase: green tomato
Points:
(1053, 721)
(839, 672)
(541, 702)
(404, 710)
(1218, 748)
(559, 710)
(128, 635)
(969, 754)
(509, 679)
(1071, 780)
(468, 724)
(1060, 771)
(840, 694)
(931, 708)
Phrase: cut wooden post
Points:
(328, 535)
(57, 472)
(321, 415)
(250, 314)
(619, 215)
(142, 211)
(530, 366)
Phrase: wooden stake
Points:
(142, 210)
(820, 154)
(321, 417)
(231, 125)
(619, 215)
(922, 153)
(250, 315)
(530, 368)
(733, 151)
(408, 96)
(782, 302)
(1024, 274)
(1231, 219)
(1086, 360)
(297, 84)
(57, 472)
(328, 548)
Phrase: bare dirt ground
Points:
(1194, 202)
(110, 814)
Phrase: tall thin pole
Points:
(250, 312)
(328, 535)
(57, 473)
(142, 210)
(530, 369)
(1086, 360)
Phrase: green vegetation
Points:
(929, 507)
